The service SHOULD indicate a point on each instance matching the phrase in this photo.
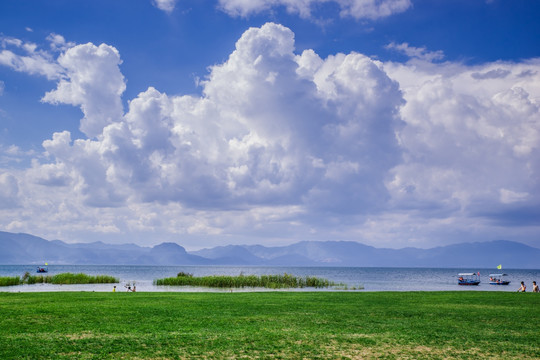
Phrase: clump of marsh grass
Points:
(37, 279)
(58, 279)
(181, 273)
(263, 281)
(9, 280)
(69, 278)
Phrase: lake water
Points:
(369, 279)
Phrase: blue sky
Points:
(392, 122)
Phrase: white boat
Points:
(498, 279)
(468, 279)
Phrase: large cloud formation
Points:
(472, 140)
(287, 145)
(272, 127)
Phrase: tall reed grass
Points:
(263, 281)
(58, 279)
(10, 280)
(69, 278)
(37, 279)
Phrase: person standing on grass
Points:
(114, 288)
(535, 287)
(522, 288)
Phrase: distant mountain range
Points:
(29, 249)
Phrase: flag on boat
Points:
(499, 267)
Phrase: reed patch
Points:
(243, 281)
(10, 280)
(58, 279)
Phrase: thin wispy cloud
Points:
(26, 57)
(416, 52)
(357, 9)
(165, 5)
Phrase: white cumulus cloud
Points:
(467, 137)
(265, 131)
(92, 81)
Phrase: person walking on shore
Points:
(522, 288)
(535, 287)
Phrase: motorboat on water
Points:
(498, 279)
(42, 269)
(469, 279)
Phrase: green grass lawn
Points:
(270, 325)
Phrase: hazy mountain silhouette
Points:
(29, 249)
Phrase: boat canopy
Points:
(497, 275)
(467, 274)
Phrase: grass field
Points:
(270, 325)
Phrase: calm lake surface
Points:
(370, 279)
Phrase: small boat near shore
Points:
(498, 279)
(42, 269)
(469, 279)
